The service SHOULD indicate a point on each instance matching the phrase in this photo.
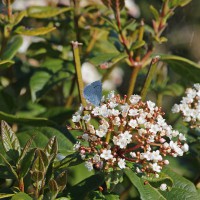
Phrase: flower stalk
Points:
(77, 63)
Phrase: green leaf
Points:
(137, 44)
(147, 192)
(21, 196)
(110, 22)
(84, 187)
(42, 136)
(131, 24)
(19, 16)
(3, 196)
(44, 79)
(12, 47)
(61, 181)
(111, 58)
(112, 197)
(9, 166)
(6, 63)
(155, 12)
(173, 90)
(10, 141)
(23, 120)
(113, 178)
(182, 188)
(26, 163)
(43, 12)
(25, 149)
(51, 148)
(53, 187)
(35, 31)
(43, 156)
(182, 66)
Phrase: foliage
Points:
(42, 49)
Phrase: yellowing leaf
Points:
(35, 31)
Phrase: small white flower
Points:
(138, 170)
(151, 105)
(96, 158)
(76, 118)
(133, 154)
(176, 108)
(134, 99)
(133, 112)
(166, 162)
(125, 109)
(182, 137)
(133, 123)
(185, 147)
(121, 163)
(77, 146)
(87, 118)
(156, 167)
(163, 187)
(100, 133)
(116, 121)
(111, 95)
(106, 154)
(89, 165)
(112, 105)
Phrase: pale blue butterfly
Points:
(93, 93)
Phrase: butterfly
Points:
(93, 93)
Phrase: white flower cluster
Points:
(122, 132)
(189, 106)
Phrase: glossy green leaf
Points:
(42, 136)
(182, 188)
(38, 164)
(12, 47)
(24, 120)
(51, 148)
(182, 66)
(61, 180)
(21, 196)
(70, 160)
(10, 141)
(35, 31)
(37, 176)
(42, 12)
(26, 163)
(40, 153)
(147, 192)
(53, 187)
(25, 149)
(43, 80)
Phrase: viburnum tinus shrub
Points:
(126, 133)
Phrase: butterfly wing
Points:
(93, 93)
